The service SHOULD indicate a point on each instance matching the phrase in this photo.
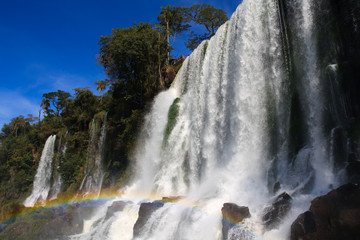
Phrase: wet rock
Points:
(232, 214)
(67, 221)
(170, 75)
(45, 223)
(145, 212)
(6, 223)
(171, 199)
(339, 147)
(275, 213)
(353, 162)
(304, 225)
(116, 206)
(335, 215)
(276, 187)
(353, 172)
(68, 224)
(85, 210)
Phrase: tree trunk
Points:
(162, 84)
(168, 41)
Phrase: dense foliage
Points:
(138, 65)
(207, 16)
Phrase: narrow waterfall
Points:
(57, 179)
(243, 121)
(94, 172)
(41, 186)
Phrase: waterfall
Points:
(41, 186)
(94, 172)
(57, 179)
(243, 121)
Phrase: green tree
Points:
(101, 85)
(58, 100)
(80, 110)
(173, 20)
(131, 56)
(209, 17)
(18, 122)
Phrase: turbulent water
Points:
(41, 186)
(249, 125)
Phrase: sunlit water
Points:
(231, 138)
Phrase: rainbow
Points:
(111, 195)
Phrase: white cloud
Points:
(13, 104)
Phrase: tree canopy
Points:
(55, 100)
(136, 60)
(133, 56)
(173, 21)
(209, 17)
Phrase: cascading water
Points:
(94, 172)
(41, 186)
(243, 121)
(57, 179)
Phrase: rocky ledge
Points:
(335, 215)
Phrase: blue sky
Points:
(46, 45)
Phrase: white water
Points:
(41, 186)
(231, 138)
(94, 171)
(57, 179)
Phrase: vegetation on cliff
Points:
(137, 61)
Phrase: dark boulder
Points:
(335, 215)
(304, 225)
(116, 206)
(232, 214)
(67, 224)
(353, 162)
(145, 212)
(353, 171)
(45, 223)
(275, 213)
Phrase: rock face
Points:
(171, 199)
(46, 224)
(116, 206)
(275, 213)
(332, 216)
(232, 214)
(145, 211)
(6, 223)
(67, 224)
(170, 75)
(353, 162)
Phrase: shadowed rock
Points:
(275, 213)
(116, 206)
(145, 212)
(335, 215)
(68, 224)
(304, 225)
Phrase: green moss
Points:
(206, 44)
(186, 80)
(172, 118)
